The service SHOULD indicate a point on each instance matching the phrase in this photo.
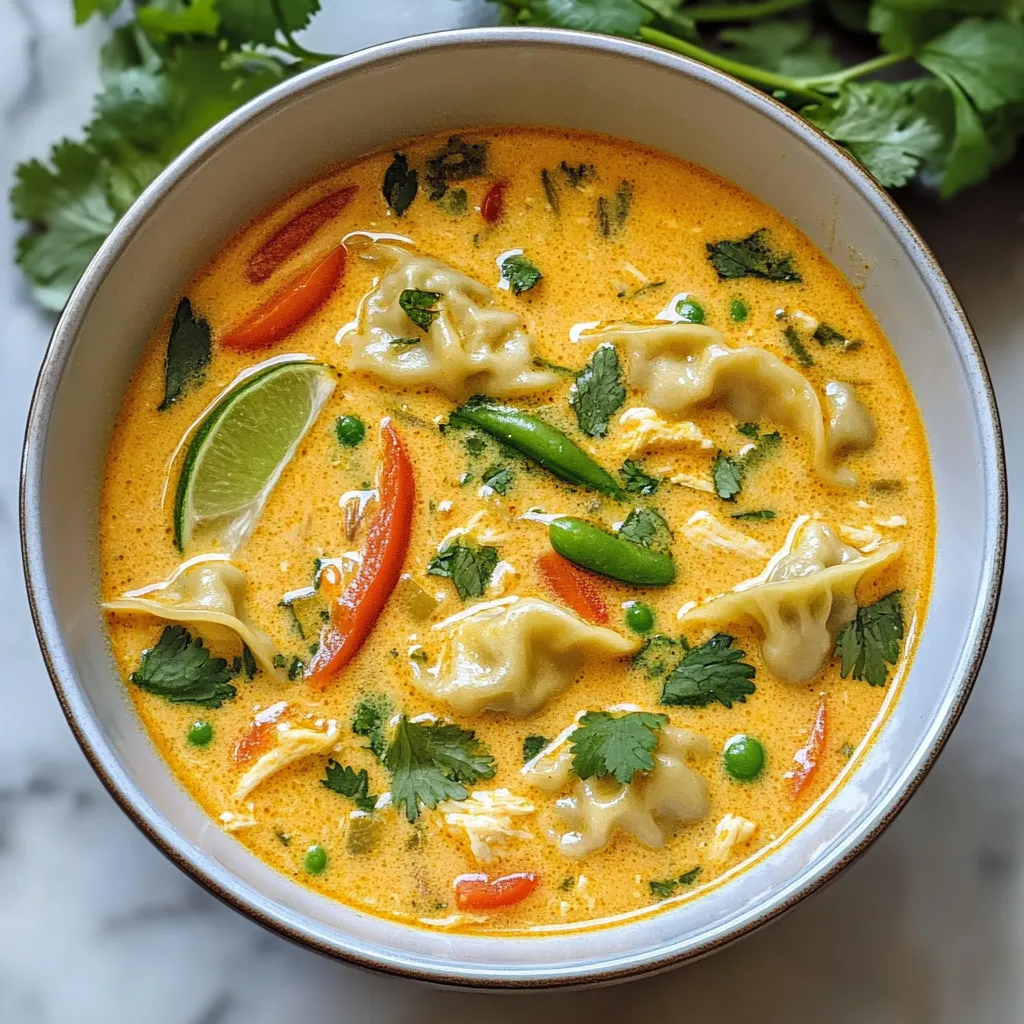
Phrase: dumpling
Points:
(513, 654)
(649, 808)
(472, 346)
(681, 366)
(210, 591)
(805, 596)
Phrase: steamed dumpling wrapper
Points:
(513, 654)
(649, 808)
(209, 591)
(472, 345)
(806, 595)
(682, 366)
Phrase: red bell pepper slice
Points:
(255, 741)
(493, 206)
(478, 892)
(574, 586)
(809, 756)
(387, 540)
(293, 304)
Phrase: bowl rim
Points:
(85, 726)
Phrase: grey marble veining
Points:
(96, 927)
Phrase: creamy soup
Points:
(514, 531)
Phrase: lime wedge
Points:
(240, 450)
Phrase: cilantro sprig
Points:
(469, 568)
(598, 391)
(347, 782)
(620, 745)
(872, 642)
(179, 669)
(715, 671)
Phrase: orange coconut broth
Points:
(406, 870)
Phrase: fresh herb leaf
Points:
(786, 47)
(469, 568)
(797, 347)
(872, 642)
(636, 481)
(279, 661)
(401, 183)
(457, 160)
(612, 17)
(847, 750)
(532, 746)
(259, 21)
(605, 744)
(430, 762)
(666, 887)
(827, 336)
(475, 444)
(498, 478)
(762, 515)
(347, 782)
(404, 342)
(295, 668)
(752, 256)
(455, 202)
(248, 662)
(293, 618)
(765, 445)
(567, 883)
(689, 877)
(179, 669)
(550, 191)
(613, 213)
(659, 655)
(713, 671)
(598, 391)
(647, 528)
(188, 354)
(578, 174)
(419, 306)
(727, 475)
(371, 720)
(520, 273)
(543, 364)
(751, 430)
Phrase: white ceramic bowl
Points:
(448, 81)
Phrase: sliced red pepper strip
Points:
(387, 539)
(808, 757)
(493, 205)
(256, 739)
(478, 892)
(296, 233)
(574, 586)
(290, 306)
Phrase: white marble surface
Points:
(95, 926)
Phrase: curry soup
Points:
(514, 531)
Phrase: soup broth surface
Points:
(621, 235)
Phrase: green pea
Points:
(200, 733)
(350, 431)
(737, 311)
(743, 758)
(639, 617)
(316, 859)
(690, 311)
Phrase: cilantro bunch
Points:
(949, 111)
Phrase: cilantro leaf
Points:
(727, 475)
(577, 175)
(188, 353)
(532, 746)
(520, 273)
(371, 720)
(612, 17)
(429, 762)
(797, 347)
(256, 21)
(883, 126)
(665, 887)
(469, 568)
(872, 642)
(612, 213)
(827, 336)
(659, 654)
(713, 671)
(198, 18)
(605, 744)
(786, 47)
(498, 478)
(752, 256)
(85, 9)
(419, 306)
(180, 669)
(249, 666)
(636, 481)
(598, 391)
(647, 528)
(401, 184)
(762, 515)
(728, 472)
(456, 160)
(347, 782)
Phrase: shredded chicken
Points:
(710, 534)
(733, 830)
(487, 817)
(293, 743)
(643, 430)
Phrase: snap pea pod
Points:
(543, 443)
(596, 549)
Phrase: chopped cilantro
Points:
(659, 654)
(371, 720)
(431, 761)
(728, 472)
(498, 478)
(647, 528)
(532, 746)
(598, 391)
(872, 642)
(188, 354)
(636, 481)
(475, 444)
(613, 213)
(404, 342)
(550, 191)
(400, 184)
(713, 671)
(751, 430)
(248, 662)
(457, 160)
(666, 887)
(797, 347)
(826, 335)
(577, 174)
(180, 669)
(279, 661)
(419, 306)
(727, 475)
(752, 256)
(605, 744)
(762, 515)
(295, 668)
(847, 750)
(347, 782)
(520, 273)
(283, 838)
(469, 568)
(543, 364)
(455, 202)
(567, 883)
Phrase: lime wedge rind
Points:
(242, 447)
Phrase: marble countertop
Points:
(95, 926)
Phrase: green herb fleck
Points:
(457, 160)
(752, 256)
(188, 354)
(762, 515)
(550, 191)
(532, 746)
(636, 481)
(598, 391)
(659, 655)
(825, 335)
(400, 184)
(469, 568)
(419, 306)
(797, 347)
(371, 720)
(520, 273)
(727, 475)
(647, 528)
(349, 783)
(498, 478)
(577, 174)
(613, 213)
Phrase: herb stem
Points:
(295, 48)
(742, 12)
(868, 67)
(756, 76)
